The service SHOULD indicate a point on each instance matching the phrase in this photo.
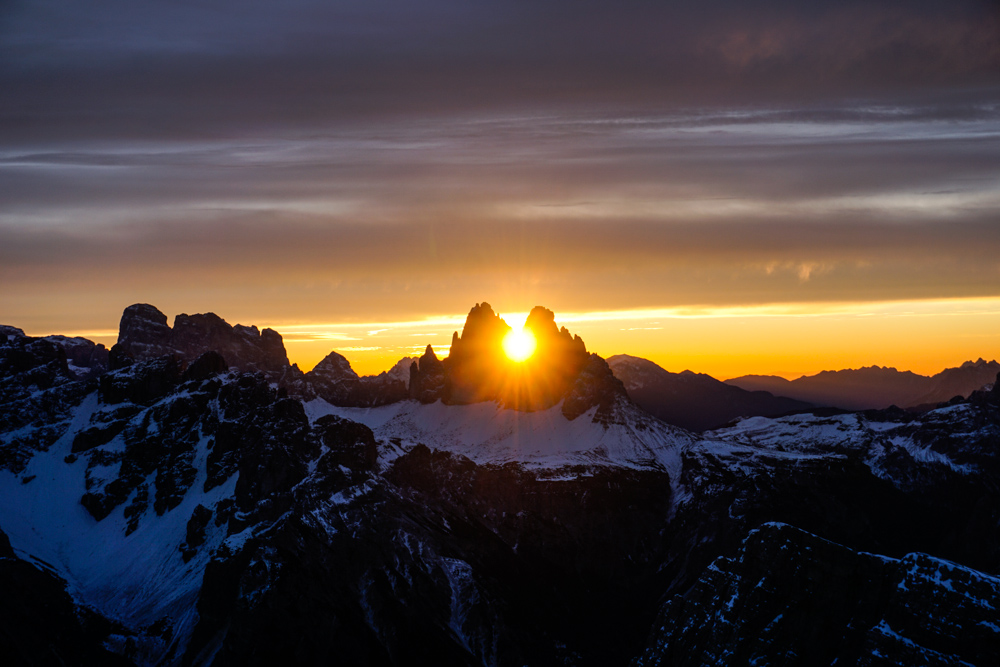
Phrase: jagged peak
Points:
(334, 365)
(144, 334)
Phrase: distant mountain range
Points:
(876, 387)
(694, 401)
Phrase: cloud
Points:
(390, 159)
(182, 70)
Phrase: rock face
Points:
(335, 381)
(427, 378)
(597, 386)
(37, 390)
(476, 366)
(694, 401)
(144, 334)
(789, 597)
(477, 369)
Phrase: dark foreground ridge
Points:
(198, 506)
(791, 597)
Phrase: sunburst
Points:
(519, 345)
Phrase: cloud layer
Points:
(385, 160)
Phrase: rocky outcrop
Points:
(595, 385)
(38, 391)
(789, 597)
(427, 378)
(144, 334)
(85, 358)
(477, 369)
(335, 381)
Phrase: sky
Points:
(783, 188)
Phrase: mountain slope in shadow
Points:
(694, 401)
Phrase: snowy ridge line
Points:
(544, 440)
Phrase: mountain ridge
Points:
(694, 401)
(876, 387)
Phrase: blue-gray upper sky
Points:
(394, 159)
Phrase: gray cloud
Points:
(385, 158)
(190, 69)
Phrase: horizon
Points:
(777, 189)
(308, 343)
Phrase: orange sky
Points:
(788, 340)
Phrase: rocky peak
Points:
(594, 385)
(145, 334)
(427, 377)
(475, 367)
(337, 383)
(401, 370)
(334, 367)
(478, 370)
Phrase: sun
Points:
(519, 344)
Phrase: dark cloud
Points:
(189, 69)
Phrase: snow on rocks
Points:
(487, 433)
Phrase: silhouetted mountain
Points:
(144, 334)
(875, 387)
(693, 400)
(335, 381)
(960, 381)
(477, 369)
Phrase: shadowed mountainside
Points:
(694, 401)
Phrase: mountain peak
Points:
(144, 334)
(478, 369)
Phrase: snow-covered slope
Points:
(490, 434)
(948, 438)
(136, 578)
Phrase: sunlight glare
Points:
(519, 344)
